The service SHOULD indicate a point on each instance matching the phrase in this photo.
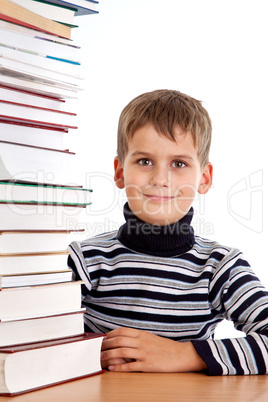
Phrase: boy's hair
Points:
(166, 109)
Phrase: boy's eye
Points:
(178, 164)
(145, 162)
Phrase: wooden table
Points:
(150, 387)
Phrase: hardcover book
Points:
(32, 134)
(48, 363)
(41, 328)
(12, 12)
(35, 278)
(82, 7)
(22, 302)
(36, 164)
(35, 241)
(29, 216)
(44, 194)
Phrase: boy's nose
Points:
(160, 177)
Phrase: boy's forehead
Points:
(147, 139)
(177, 135)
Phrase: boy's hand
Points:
(126, 349)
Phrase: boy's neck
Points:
(165, 241)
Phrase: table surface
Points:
(153, 387)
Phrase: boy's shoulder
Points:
(105, 239)
(214, 249)
(210, 244)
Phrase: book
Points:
(16, 79)
(40, 73)
(82, 7)
(29, 163)
(51, 11)
(43, 117)
(13, 72)
(39, 44)
(43, 61)
(41, 328)
(40, 200)
(33, 241)
(12, 12)
(32, 134)
(48, 362)
(16, 263)
(28, 98)
(35, 279)
(40, 193)
(22, 302)
(42, 217)
(32, 32)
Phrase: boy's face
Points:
(161, 177)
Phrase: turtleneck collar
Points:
(164, 241)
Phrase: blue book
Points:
(81, 7)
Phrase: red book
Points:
(13, 12)
(43, 117)
(32, 366)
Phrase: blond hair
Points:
(166, 109)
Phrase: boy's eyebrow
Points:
(149, 155)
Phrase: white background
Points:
(215, 51)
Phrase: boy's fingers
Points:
(120, 353)
(126, 367)
(123, 331)
(119, 342)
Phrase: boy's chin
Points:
(159, 214)
(160, 219)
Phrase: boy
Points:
(155, 288)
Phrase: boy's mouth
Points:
(159, 198)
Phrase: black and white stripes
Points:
(182, 297)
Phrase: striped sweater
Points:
(175, 285)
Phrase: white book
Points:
(35, 278)
(53, 12)
(35, 135)
(17, 79)
(40, 217)
(41, 328)
(45, 64)
(22, 302)
(35, 164)
(36, 115)
(30, 263)
(39, 45)
(11, 71)
(35, 241)
(28, 367)
(28, 98)
(43, 74)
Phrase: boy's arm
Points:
(76, 262)
(127, 349)
(239, 295)
(244, 300)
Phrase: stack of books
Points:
(42, 339)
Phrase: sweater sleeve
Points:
(239, 296)
(76, 262)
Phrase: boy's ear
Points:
(118, 173)
(206, 179)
